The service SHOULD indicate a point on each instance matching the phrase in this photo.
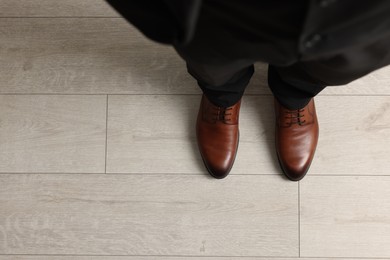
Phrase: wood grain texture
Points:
(148, 215)
(85, 55)
(375, 83)
(354, 136)
(52, 133)
(345, 216)
(109, 56)
(50, 8)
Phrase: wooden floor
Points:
(98, 158)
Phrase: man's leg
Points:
(222, 81)
(296, 128)
(294, 88)
(295, 85)
(217, 128)
(223, 85)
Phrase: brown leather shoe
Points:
(217, 133)
(296, 139)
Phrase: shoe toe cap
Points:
(295, 170)
(295, 174)
(217, 167)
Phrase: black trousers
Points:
(309, 44)
(224, 48)
(293, 86)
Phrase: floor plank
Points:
(148, 215)
(354, 136)
(136, 139)
(49, 8)
(155, 134)
(108, 56)
(375, 83)
(52, 133)
(345, 216)
(86, 55)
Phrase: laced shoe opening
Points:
(295, 117)
(222, 114)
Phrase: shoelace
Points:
(295, 116)
(221, 114)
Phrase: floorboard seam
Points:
(299, 220)
(105, 153)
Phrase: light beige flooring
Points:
(98, 157)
